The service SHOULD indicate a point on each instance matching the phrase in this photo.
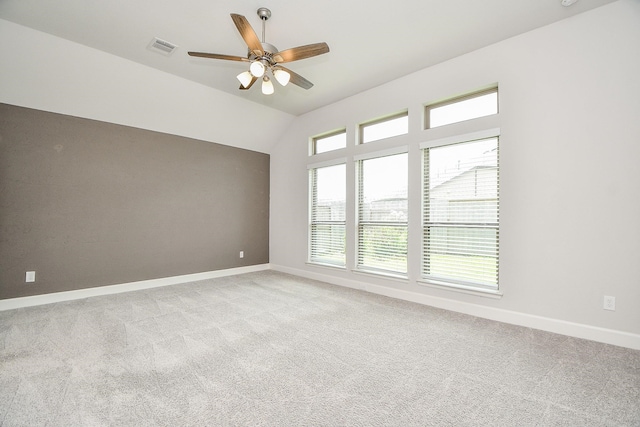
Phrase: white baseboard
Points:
(12, 303)
(578, 330)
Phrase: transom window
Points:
(329, 142)
(388, 127)
(467, 107)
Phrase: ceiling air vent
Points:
(162, 46)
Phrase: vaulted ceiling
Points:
(371, 42)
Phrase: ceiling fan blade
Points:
(218, 56)
(247, 33)
(253, 80)
(301, 52)
(296, 78)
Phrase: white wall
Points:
(570, 174)
(48, 73)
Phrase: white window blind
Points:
(327, 189)
(461, 212)
(382, 214)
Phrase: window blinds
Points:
(461, 211)
(382, 214)
(327, 215)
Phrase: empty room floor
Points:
(273, 349)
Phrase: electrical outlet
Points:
(241, 254)
(609, 303)
(30, 277)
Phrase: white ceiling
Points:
(371, 41)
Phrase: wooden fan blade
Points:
(301, 52)
(218, 56)
(253, 80)
(296, 78)
(247, 33)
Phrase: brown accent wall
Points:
(86, 203)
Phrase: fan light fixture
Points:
(245, 78)
(265, 59)
(282, 76)
(257, 69)
(267, 86)
(260, 64)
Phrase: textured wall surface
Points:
(86, 203)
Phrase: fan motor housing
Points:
(268, 50)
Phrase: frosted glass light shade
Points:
(282, 76)
(257, 69)
(267, 86)
(245, 78)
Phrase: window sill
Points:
(331, 266)
(470, 290)
(381, 274)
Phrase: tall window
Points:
(327, 187)
(461, 211)
(382, 214)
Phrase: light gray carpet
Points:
(275, 350)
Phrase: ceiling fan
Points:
(265, 57)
